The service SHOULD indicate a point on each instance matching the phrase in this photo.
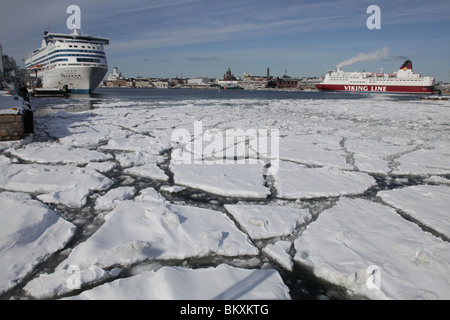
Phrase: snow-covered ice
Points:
(229, 180)
(299, 182)
(350, 241)
(263, 221)
(360, 197)
(51, 153)
(174, 283)
(29, 233)
(428, 204)
(138, 230)
(69, 185)
(279, 252)
(114, 197)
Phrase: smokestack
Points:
(268, 74)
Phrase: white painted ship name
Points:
(365, 88)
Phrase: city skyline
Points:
(203, 38)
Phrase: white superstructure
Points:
(75, 62)
(402, 81)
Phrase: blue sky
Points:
(167, 38)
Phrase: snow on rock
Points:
(56, 153)
(230, 180)
(29, 233)
(264, 221)
(139, 230)
(279, 252)
(294, 181)
(369, 249)
(428, 204)
(67, 184)
(176, 283)
(115, 196)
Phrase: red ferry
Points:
(402, 81)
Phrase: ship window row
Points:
(99, 54)
(43, 60)
(76, 50)
(88, 60)
(373, 81)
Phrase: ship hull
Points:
(375, 88)
(83, 79)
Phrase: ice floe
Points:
(114, 197)
(425, 161)
(139, 230)
(29, 233)
(47, 153)
(294, 181)
(176, 283)
(230, 180)
(69, 185)
(264, 221)
(428, 204)
(317, 150)
(279, 252)
(372, 251)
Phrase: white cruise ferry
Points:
(73, 62)
(402, 81)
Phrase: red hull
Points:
(375, 88)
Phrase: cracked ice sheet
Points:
(427, 204)
(435, 160)
(142, 164)
(139, 230)
(374, 156)
(137, 142)
(56, 153)
(279, 252)
(346, 240)
(68, 185)
(114, 197)
(295, 181)
(263, 221)
(29, 233)
(61, 282)
(176, 283)
(230, 180)
(317, 150)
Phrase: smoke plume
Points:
(360, 57)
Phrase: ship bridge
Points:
(75, 36)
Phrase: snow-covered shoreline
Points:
(97, 193)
